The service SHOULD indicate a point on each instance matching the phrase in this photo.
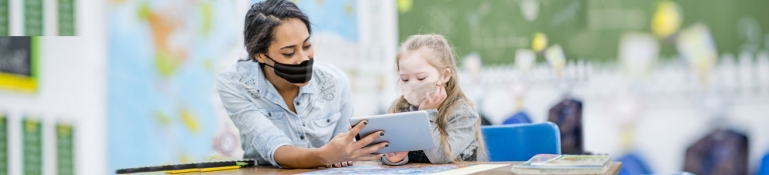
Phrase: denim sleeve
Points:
(265, 137)
(346, 110)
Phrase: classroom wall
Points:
(72, 88)
(670, 122)
(668, 95)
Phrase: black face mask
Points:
(293, 73)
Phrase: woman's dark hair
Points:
(261, 20)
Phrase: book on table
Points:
(564, 164)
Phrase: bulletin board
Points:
(18, 63)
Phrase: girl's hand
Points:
(396, 157)
(432, 102)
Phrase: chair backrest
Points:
(632, 163)
(763, 169)
(519, 117)
(520, 142)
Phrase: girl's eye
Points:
(405, 80)
(420, 79)
(307, 47)
(288, 54)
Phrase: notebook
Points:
(564, 164)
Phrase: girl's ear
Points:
(446, 75)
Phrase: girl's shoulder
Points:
(463, 108)
(462, 103)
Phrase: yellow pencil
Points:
(219, 168)
(182, 171)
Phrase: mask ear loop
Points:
(438, 83)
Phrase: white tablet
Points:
(406, 131)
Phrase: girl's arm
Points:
(460, 135)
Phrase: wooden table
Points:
(613, 170)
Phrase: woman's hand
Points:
(339, 165)
(396, 157)
(342, 148)
(434, 101)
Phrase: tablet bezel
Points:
(405, 131)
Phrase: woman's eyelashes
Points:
(292, 54)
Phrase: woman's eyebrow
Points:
(294, 46)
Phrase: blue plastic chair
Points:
(520, 142)
(763, 169)
(632, 163)
(519, 117)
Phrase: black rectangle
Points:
(16, 55)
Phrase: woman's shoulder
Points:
(327, 75)
(327, 71)
(239, 72)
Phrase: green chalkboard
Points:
(586, 29)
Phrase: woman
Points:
(291, 112)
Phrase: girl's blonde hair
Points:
(438, 53)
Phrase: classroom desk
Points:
(613, 170)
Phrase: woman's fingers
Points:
(372, 149)
(356, 129)
(339, 165)
(370, 157)
(368, 139)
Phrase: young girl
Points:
(428, 79)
